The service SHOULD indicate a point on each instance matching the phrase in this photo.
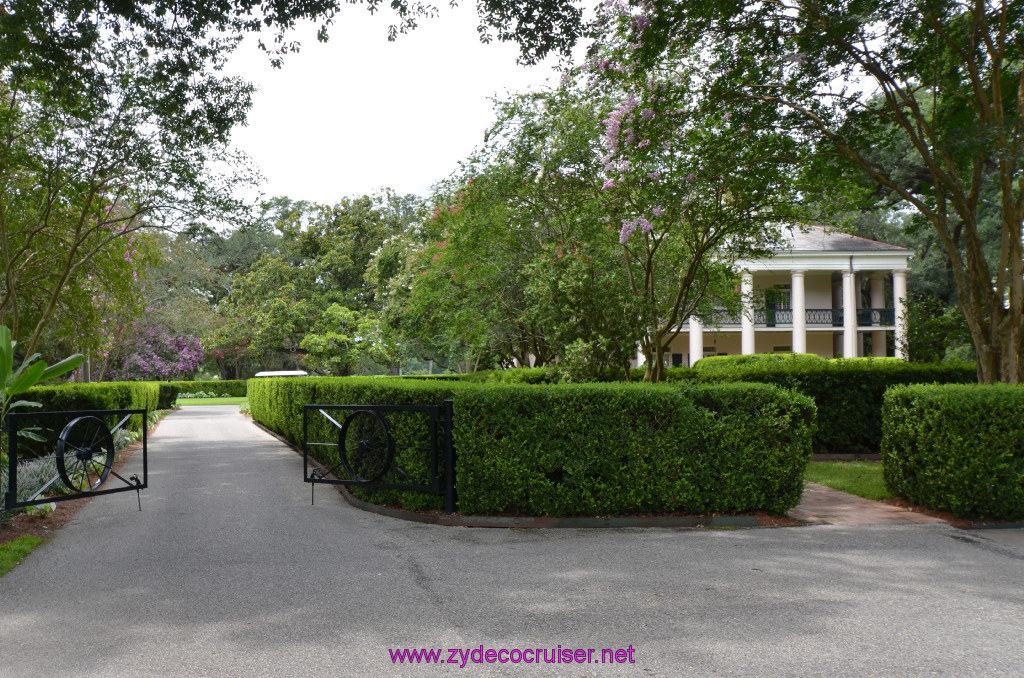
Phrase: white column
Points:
(696, 341)
(878, 301)
(747, 318)
(799, 304)
(859, 298)
(849, 316)
(899, 293)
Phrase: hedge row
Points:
(589, 449)
(727, 362)
(553, 375)
(233, 387)
(168, 395)
(956, 448)
(848, 392)
(277, 403)
(111, 395)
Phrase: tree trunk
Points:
(654, 355)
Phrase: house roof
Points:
(805, 238)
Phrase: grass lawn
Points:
(14, 551)
(863, 478)
(185, 402)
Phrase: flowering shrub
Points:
(152, 353)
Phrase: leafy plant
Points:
(956, 448)
(32, 371)
(32, 475)
(578, 449)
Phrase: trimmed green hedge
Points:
(235, 388)
(277, 404)
(598, 449)
(587, 449)
(956, 448)
(168, 395)
(727, 362)
(848, 392)
(541, 375)
(107, 395)
(552, 375)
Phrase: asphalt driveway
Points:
(228, 571)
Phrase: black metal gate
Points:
(367, 453)
(69, 455)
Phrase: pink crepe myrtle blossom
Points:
(613, 123)
(629, 227)
(608, 183)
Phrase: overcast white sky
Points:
(360, 113)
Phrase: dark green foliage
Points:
(598, 449)
(673, 374)
(168, 395)
(277, 404)
(108, 395)
(519, 375)
(435, 377)
(848, 392)
(586, 449)
(727, 362)
(956, 448)
(232, 387)
(546, 375)
(936, 331)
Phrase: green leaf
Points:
(28, 361)
(26, 379)
(6, 355)
(27, 433)
(25, 403)
(63, 367)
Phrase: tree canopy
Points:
(940, 83)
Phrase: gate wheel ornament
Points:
(85, 454)
(365, 446)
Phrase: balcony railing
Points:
(816, 317)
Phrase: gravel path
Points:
(228, 571)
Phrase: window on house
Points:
(677, 360)
(782, 349)
(779, 298)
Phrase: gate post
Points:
(449, 458)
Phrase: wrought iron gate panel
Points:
(367, 449)
(81, 445)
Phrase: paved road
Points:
(228, 571)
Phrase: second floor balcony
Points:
(815, 317)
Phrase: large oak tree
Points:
(944, 78)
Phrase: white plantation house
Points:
(823, 292)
